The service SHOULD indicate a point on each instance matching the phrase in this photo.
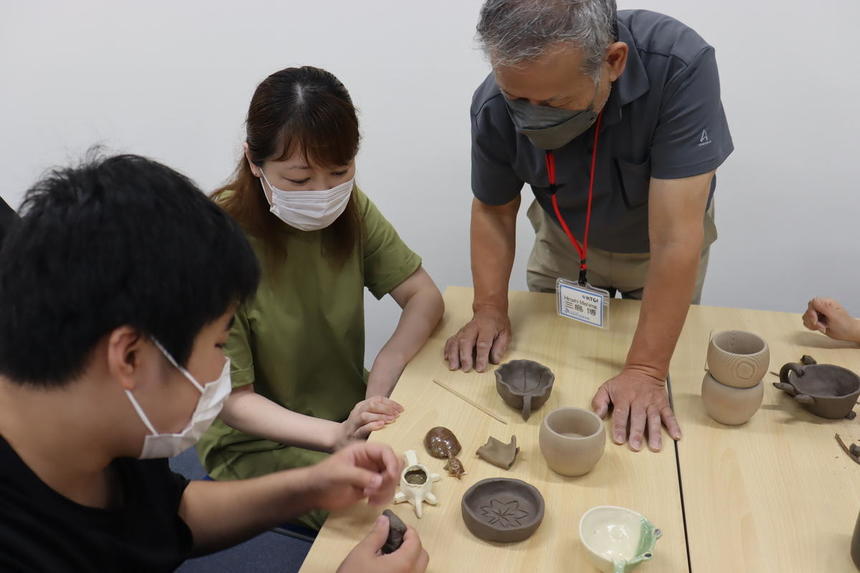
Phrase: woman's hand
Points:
(367, 416)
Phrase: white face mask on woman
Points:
(212, 397)
(309, 210)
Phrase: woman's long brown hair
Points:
(296, 109)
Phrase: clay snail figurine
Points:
(442, 443)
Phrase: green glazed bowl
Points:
(617, 539)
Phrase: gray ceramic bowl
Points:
(524, 385)
(826, 390)
(502, 510)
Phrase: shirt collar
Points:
(632, 84)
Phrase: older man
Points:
(615, 121)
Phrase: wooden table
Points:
(582, 358)
(774, 495)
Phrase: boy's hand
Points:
(362, 470)
(367, 555)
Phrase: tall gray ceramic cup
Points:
(572, 440)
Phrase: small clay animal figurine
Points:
(499, 454)
(416, 484)
(396, 531)
(442, 443)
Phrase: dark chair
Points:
(7, 218)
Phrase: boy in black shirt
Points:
(118, 286)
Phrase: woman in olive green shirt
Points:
(297, 347)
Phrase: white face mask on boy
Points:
(212, 397)
(309, 210)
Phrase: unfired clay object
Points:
(737, 358)
(416, 484)
(617, 539)
(524, 385)
(572, 440)
(826, 390)
(443, 444)
(855, 544)
(728, 405)
(502, 510)
(499, 454)
(396, 531)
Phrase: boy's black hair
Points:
(115, 241)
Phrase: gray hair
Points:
(515, 31)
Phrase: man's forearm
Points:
(665, 302)
(221, 514)
(493, 240)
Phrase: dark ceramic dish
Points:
(502, 510)
(826, 390)
(524, 385)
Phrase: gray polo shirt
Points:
(663, 119)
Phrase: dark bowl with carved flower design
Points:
(502, 510)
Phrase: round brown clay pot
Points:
(572, 440)
(737, 358)
(729, 405)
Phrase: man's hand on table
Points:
(639, 400)
(410, 557)
(363, 470)
(483, 340)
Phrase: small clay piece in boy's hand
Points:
(396, 531)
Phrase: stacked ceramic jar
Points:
(732, 389)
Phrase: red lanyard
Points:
(581, 249)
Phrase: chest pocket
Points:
(635, 179)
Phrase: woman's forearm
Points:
(249, 412)
(421, 313)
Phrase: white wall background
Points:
(172, 80)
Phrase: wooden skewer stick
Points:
(471, 402)
(846, 449)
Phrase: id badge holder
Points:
(583, 303)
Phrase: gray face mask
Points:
(550, 127)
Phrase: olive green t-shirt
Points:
(300, 339)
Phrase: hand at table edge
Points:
(410, 557)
